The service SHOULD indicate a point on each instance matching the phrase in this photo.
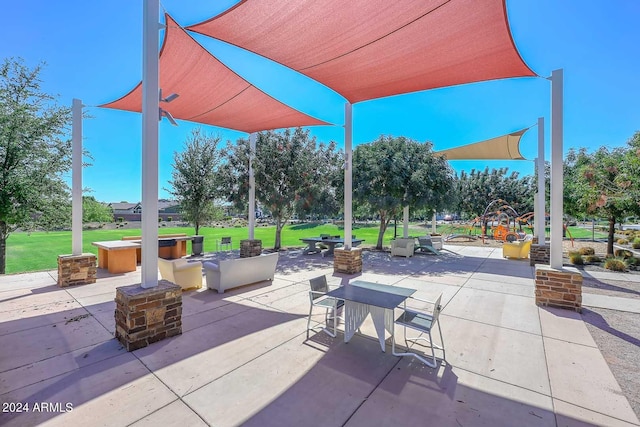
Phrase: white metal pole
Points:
(348, 183)
(540, 218)
(405, 222)
(252, 186)
(150, 116)
(434, 224)
(556, 168)
(76, 180)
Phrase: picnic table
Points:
(330, 242)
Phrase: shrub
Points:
(622, 253)
(573, 253)
(633, 261)
(576, 259)
(587, 251)
(159, 219)
(120, 219)
(592, 259)
(169, 218)
(615, 264)
(623, 241)
(636, 243)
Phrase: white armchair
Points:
(181, 272)
(403, 247)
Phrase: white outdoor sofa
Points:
(231, 273)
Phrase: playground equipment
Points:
(525, 220)
(500, 221)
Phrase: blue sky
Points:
(93, 52)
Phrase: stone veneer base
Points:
(347, 261)
(539, 254)
(76, 270)
(250, 248)
(559, 288)
(144, 316)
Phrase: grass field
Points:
(39, 250)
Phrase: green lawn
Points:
(40, 250)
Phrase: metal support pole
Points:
(405, 222)
(252, 186)
(540, 219)
(348, 183)
(76, 179)
(556, 168)
(434, 223)
(150, 111)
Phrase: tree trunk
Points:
(383, 228)
(3, 246)
(612, 232)
(197, 224)
(279, 225)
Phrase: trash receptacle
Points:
(196, 245)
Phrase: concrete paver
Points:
(243, 356)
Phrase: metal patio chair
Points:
(318, 298)
(422, 322)
(225, 242)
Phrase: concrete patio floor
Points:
(243, 357)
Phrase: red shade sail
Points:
(366, 49)
(210, 92)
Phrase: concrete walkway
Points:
(243, 357)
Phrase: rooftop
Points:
(243, 356)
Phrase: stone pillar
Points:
(250, 248)
(146, 315)
(539, 254)
(347, 261)
(76, 270)
(559, 288)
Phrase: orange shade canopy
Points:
(366, 49)
(209, 92)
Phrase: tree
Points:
(604, 183)
(195, 183)
(94, 211)
(478, 189)
(291, 172)
(34, 153)
(391, 173)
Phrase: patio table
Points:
(364, 298)
(331, 243)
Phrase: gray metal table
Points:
(331, 243)
(364, 298)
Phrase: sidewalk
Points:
(243, 357)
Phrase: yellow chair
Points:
(186, 274)
(519, 249)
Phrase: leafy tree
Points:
(195, 183)
(478, 189)
(291, 172)
(94, 211)
(34, 153)
(391, 173)
(604, 183)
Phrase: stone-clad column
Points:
(76, 269)
(347, 261)
(146, 315)
(559, 287)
